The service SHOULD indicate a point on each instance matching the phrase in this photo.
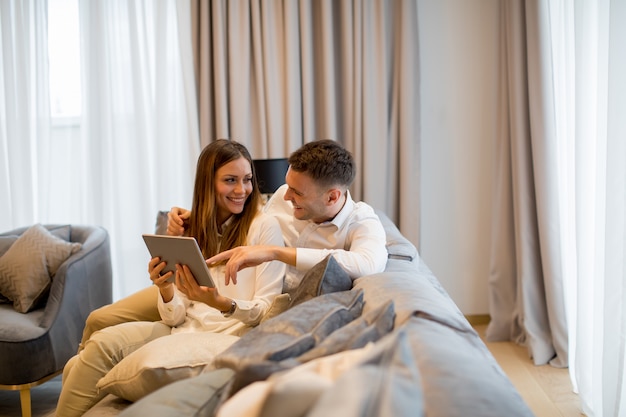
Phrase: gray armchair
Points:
(35, 346)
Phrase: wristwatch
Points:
(233, 307)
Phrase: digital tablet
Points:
(180, 250)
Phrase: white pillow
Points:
(26, 267)
(163, 361)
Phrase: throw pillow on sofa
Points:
(386, 382)
(29, 263)
(324, 278)
(368, 328)
(197, 396)
(354, 335)
(293, 392)
(163, 361)
(260, 351)
(293, 332)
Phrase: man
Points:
(317, 217)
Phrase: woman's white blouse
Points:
(254, 292)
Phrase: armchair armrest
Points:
(82, 284)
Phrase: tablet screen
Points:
(181, 250)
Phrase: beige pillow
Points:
(280, 304)
(27, 266)
(163, 361)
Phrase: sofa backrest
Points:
(398, 246)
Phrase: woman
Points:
(225, 214)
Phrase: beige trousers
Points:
(102, 351)
(140, 306)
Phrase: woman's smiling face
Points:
(233, 185)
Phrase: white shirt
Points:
(355, 237)
(254, 292)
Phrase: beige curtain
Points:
(277, 74)
(526, 282)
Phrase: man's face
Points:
(308, 200)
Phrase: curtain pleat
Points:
(504, 306)
(559, 235)
(275, 75)
(527, 298)
(24, 113)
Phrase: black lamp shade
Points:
(270, 173)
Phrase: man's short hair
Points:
(326, 162)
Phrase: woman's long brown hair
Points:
(203, 220)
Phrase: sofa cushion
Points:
(294, 332)
(293, 392)
(368, 328)
(197, 396)
(27, 266)
(268, 348)
(163, 361)
(386, 382)
(358, 333)
(324, 278)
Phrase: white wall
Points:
(458, 71)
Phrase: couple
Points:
(309, 217)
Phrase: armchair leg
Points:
(24, 389)
(25, 402)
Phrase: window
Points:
(64, 61)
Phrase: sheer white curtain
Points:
(24, 112)
(565, 135)
(134, 148)
(139, 136)
(593, 61)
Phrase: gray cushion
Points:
(264, 350)
(368, 328)
(293, 332)
(324, 278)
(354, 335)
(198, 396)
